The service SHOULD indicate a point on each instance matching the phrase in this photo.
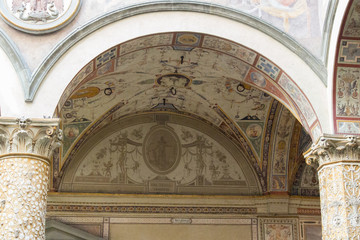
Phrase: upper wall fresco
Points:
(302, 20)
(346, 95)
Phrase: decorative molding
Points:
(308, 211)
(333, 149)
(150, 209)
(18, 62)
(29, 136)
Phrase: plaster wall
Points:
(11, 94)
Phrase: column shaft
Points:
(26, 146)
(340, 200)
(23, 191)
(338, 158)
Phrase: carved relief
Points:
(37, 10)
(24, 178)
(332, 149)
(39, 16)
(29, 136)
(339, 176)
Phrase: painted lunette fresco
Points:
(160, 153)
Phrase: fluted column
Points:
(338, 159)
(26, 146)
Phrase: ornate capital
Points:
(24, 135)
(334, 148)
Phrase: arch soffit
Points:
(258, 71)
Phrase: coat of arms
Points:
(37, 10)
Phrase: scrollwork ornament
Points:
(24, 135)
(332, 149)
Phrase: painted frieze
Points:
(281, 148)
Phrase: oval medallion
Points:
(161, 150)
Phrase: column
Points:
(338, 159)
(26, 146)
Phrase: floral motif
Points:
(339, 177)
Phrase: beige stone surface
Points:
(179, 232)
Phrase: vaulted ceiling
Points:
(214, 82)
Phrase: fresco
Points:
(351, 127)
(159, 157)
(299, 98)
(254, 132)
(306, 182)
(215, 79)
(278, 232)
(349, 52)
(230, 48)
(346, 75)
(302, 20)
(347, 94)
(130, 78)
(281, 148)
(352, 24)
(278, 228)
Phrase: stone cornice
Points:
(332, 149)
(29, 136)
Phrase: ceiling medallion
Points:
(38, 16)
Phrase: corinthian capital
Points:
(333, 148)
(24, 135)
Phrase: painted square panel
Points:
(347, 92)
(268, 67)
(349, 52)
